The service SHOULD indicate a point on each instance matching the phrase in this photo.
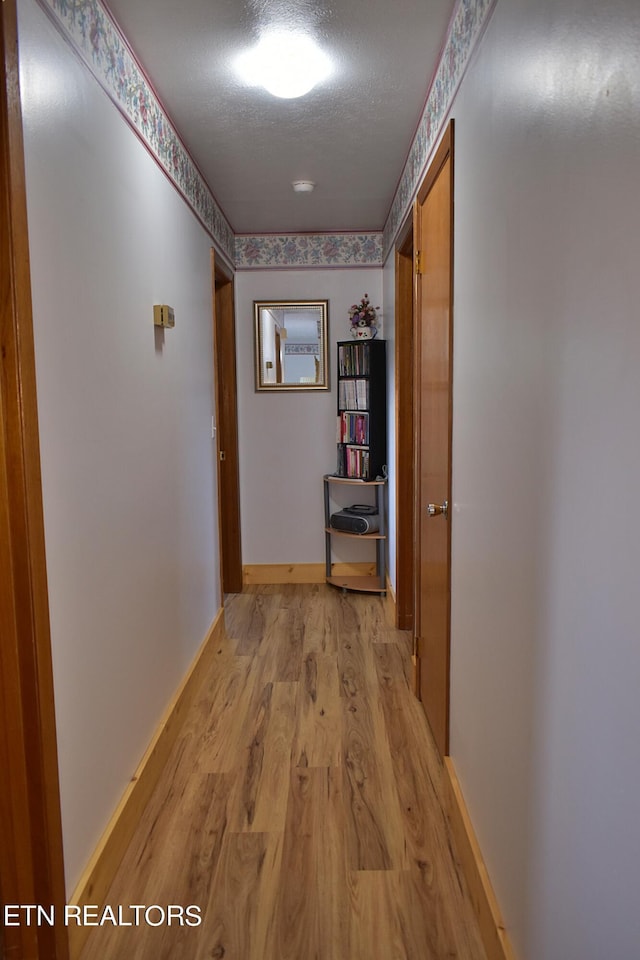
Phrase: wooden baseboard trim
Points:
(390, 603)
(266, 573)
(415, 675)
(98, 875)
(483, 899)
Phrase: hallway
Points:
(301, 807)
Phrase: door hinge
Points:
(419, 263)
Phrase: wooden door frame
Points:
(444, 152)
(225, 377)
(31, 859)
(404, 406)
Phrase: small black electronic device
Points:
(360, 518)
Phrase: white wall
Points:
(129, 478)
(288, 440)
(545, 709)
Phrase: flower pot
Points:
(363, 333)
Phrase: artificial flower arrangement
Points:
(363, 316)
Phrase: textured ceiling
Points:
(351, 136)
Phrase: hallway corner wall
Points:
(288, 440)
(128, 464)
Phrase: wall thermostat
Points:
(163, 316)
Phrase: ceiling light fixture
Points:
(303, 186)
(286, 64)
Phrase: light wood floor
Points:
(301, 807)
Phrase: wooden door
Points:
(434, 226)
(227, 432)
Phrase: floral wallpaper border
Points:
(467, 25)
(291, 250)
(309, 250)
(88, 26)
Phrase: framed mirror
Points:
(291, 343)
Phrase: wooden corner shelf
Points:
(374, 583)
(355, 536)
(355, 480)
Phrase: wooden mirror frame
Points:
(277, 349)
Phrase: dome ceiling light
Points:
(286, 64)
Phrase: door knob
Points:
(435, 509)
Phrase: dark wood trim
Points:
(31, 861)
(446, 153)
(417, 428)
(405, 233)
(450, 138)
(404, 298)
(227, 430)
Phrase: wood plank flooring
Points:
(301, 807)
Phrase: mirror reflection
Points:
(291, 344)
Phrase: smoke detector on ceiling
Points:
(303, 186)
